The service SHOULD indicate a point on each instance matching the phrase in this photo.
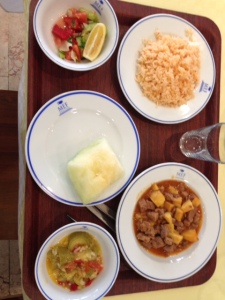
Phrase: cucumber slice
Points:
(78, 239)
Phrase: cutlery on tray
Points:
(103, 213)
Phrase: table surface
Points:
(42, 78)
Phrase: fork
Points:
(104, 213)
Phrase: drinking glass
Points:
(207, 143)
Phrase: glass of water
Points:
(207, 143)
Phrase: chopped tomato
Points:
(73, 23)
(71, 265)
(95, 265)
(77, 51)
(58, 41)
(62, 33)
(61, 22)
(72, 12)
(89, 282)
(74, 264)
(68, 55)
(73, 287)
(79, 262)
(74, 41)
(62, 283)
(82, 17)
(70, 22)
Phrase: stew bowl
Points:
(180, 265)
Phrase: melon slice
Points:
(93, 170)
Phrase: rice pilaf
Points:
(168, 69)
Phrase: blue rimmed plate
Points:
(66, 124)
(188, 262)
(127, 61)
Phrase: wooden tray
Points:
(43, 215)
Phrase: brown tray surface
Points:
(44, 215)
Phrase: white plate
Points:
(127, 60)
(100, 286)
(188, 262)
(66, 124)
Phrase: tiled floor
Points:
(12, 27)
(10, 277)
(12, 34)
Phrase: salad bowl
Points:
(48, 12)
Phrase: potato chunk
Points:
(177, 238)
(179, 213)
(190, 235)
(187, 206)
(177, 201)
(196, 202)
(155, 187)
(173, 190)
(168, 205)
(157, 198)
(168, 217)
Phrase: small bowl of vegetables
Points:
(76, 35)
(79, 260)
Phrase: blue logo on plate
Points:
(63, 107)
(205, 87)
(180, 174)
(98, 6)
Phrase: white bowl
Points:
(100, 286)
(47, 12)
(188, 262)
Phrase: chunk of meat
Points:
(161, 212)
(184, 194)
(145, 205)
(170, 248)
(157, 242)
(186, 223)
(146, 227)
(168, 241)
(147, 245)
(142, 237)
(191, 214)
(181, 187)
(197, 218)
(179, 226)
(192, 196)
(164, 231)
(196, 221)
(169, 196)
(153, 215)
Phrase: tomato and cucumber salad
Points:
(71, 32)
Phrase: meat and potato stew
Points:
(167, 218)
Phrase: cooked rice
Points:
(168, 70)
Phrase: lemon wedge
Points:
(95, 42)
